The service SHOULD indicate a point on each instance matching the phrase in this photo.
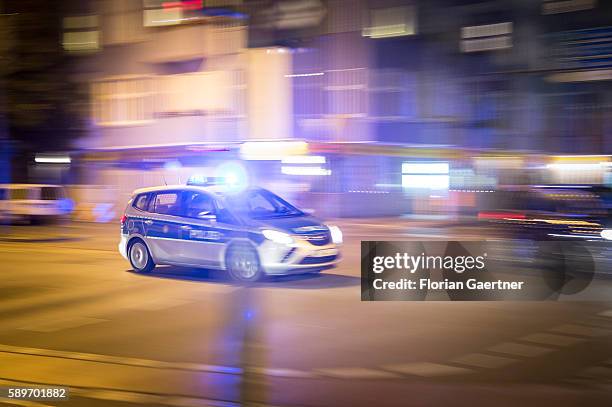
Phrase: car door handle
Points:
(148, 222)
(185, 227)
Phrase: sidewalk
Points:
(37, 234)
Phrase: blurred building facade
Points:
(526, 76)
(488, 74)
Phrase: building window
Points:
(197, 93)
(122, 21)
(389, 95)
(566, 6)
(425, 175)
(123, 101)
(487, 37)
(346, 92)
(391, 22)
(140, 99)
(81, 33)
(156, 15)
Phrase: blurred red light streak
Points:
(185, 5)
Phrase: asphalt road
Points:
(73, 314)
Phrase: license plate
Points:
(324, 252)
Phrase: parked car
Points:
(33, 202)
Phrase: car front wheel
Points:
(242, 263)
(140, 258)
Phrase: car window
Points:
(224, 215)
(198, 205)
(166, 203)
(258, 204)
(3, 194)
(261, 204)
(20, 193)
(50, 193)
(141, 202)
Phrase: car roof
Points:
(213, 189)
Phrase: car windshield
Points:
(261, 204)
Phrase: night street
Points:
(306, 203)
(74, 314)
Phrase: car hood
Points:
(294, 224)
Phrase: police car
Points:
(249, 232)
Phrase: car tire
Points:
(140, 257)
(242, 263)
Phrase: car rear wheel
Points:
(140, 258)
(242, 263)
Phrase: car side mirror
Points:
(207, 216)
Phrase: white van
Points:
(33, 202)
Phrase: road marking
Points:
(156, 304)
(100, 289)
(310, 326)
(607, 313)
(581, 330)
(121, 395)
(356, 373)
(421, 369)
(483, 360)
(194, 402)
(114, 395)
(120, 360)
(551, 339)
(25, 403)
(518, 349)
(99, 376)
(426, 369)
(597, 372)
(60, 324)
(278, 372)
(599, 322)
(143, 398)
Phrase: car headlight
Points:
(606, 234)
(277, 237)
(336, 234)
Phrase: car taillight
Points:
(123, 219)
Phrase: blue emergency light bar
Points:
(203, 181)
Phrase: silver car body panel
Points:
(191, 242)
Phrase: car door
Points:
(162, 225)
(204, 236)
